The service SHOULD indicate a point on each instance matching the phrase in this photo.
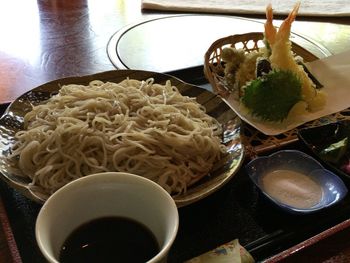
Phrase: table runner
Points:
(281, 7)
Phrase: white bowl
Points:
(104, 195)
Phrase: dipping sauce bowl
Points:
(108, 195)
(296, 182)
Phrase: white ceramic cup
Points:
(103, 195)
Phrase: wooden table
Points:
(45, 40)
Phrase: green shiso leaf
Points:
(272, 96)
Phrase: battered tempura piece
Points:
(282, 57)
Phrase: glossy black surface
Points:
(320, 137)
(110, 239)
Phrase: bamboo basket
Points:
(255, 141)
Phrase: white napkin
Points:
(307, 8)
(334, 73)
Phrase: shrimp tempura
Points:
(282, 57)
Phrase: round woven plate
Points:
(222, 172)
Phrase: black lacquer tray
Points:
(237, 210)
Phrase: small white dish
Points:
(332, 187)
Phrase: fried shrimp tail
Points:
(281, 47)
(284, 30)
(270, 30)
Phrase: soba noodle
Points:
(133, 126)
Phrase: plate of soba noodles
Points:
(181, 136)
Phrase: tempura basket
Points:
(255, 141)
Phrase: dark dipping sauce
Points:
(110, 239)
